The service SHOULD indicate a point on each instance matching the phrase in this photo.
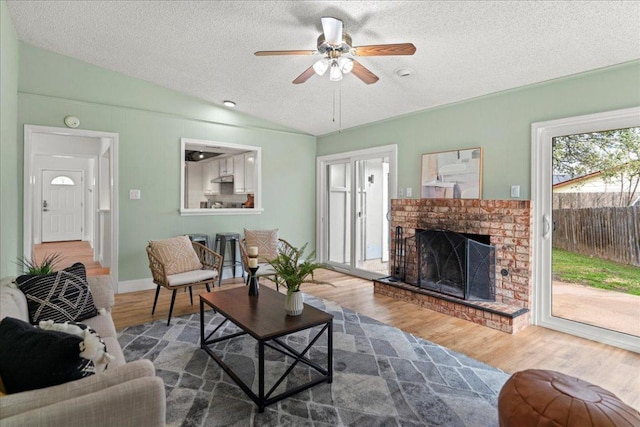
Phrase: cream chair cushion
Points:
(191, 277)
(177, 254)
(265, 240)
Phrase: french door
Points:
(550, 300)
(354, 194)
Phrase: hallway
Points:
(72, 252)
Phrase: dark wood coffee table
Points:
(263, 317)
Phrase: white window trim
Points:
(542, 134)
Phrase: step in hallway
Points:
(72, 252)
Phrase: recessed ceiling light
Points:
(229, 104)
(403, 72)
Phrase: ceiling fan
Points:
(336, 48)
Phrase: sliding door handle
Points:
(546, 226)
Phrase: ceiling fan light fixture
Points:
(335, 75)
(321, 66)
(345, 64)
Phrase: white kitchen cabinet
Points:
(238, 174)
(225, 166)
(244, 173)
(249, 171)
(211, 170)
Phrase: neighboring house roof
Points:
(575, 181)
(557, 179)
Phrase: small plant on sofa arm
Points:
(46, 266)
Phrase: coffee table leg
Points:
(330, 351)
(201, 323)
(261, 376)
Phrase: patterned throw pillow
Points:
(265, 240)
(32, 358)
(61, 296)
(177, 254)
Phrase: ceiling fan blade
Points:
(304, 76)
(284, 52)
(385, 49)
(332, 29)
(361, 72)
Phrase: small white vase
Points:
(293, 304)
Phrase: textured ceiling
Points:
(465, 49)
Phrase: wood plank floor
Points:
(614, 369)
(72, 252)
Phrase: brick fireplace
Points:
(507, 223)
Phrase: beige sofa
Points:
(126, 394)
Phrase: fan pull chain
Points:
(340, 112)
(333, 105)
(337, 102)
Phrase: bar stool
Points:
(203, 239)
(220, 246)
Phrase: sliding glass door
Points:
(586, 264)
(354, 197)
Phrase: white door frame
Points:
(110, 140)
(321, 193)
(542, 134)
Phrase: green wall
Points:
(499, 123)
(150, 121)
(10, 174)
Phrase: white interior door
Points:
(339, 213)
(62, 205)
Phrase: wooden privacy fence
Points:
(609, 233)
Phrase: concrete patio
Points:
(599, 307)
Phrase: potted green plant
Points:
(292, 273)
(46, 266)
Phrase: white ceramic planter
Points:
(293, 304)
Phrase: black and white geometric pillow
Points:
(61, 296)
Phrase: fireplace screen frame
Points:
(467, 271)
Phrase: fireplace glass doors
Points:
(455, 264)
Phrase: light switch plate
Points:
(400, 192)
(134, 194)
(409, 191)
(515, 191)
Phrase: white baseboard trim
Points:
(136, 285)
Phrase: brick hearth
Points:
(508, 225)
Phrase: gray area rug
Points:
(382, 376)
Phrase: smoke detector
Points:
(403, 72)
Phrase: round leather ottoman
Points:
(547, 398)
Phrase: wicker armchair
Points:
(211, 267)
(264, 269)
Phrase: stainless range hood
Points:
(226, 178)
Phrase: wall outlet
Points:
(515, 191)
(134, 194)
(409, 191)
